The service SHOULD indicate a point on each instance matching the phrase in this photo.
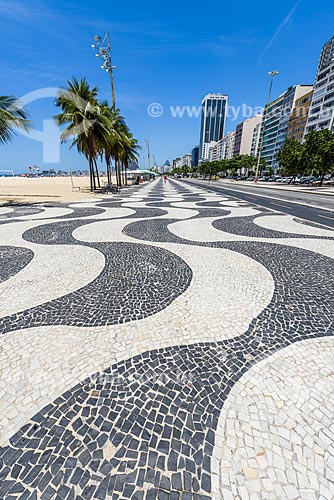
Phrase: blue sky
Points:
(171, 53)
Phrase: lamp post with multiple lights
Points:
(272, 75)
(102, 46)
(103, 51)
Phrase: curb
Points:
(330, 210)
(280, 188)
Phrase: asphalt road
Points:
(294, 203)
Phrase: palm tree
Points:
(130, 152)
(114, 140)
(118, 147)
(12, 116)
(86, 122)
(97, 130)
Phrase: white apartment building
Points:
(227, 149)
(256, 139)
(321, 114)
(213, 152)
(244, 135)
(222, 149)
(177, 163)
(206, 150)
(186, 160)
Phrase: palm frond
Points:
(13, 116)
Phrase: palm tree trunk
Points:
(91, 159)
(108, 171)
(123, 178)
(97, 173)
(92, 177)
(118, 172)
(126, 164)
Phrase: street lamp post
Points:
(103, 51)
(147, 142)
(102, 46)
(272, 75)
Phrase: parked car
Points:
(329, 182)
(251, 178)
(308, 180)
(275, 178)
(240, 178)
(317, 181)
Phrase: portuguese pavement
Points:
(165, 343)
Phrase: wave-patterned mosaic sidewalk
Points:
(165, 343)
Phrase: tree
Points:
(96, 129)
(12, 116)
(232, 165)
(120, 145)
(245, 162)
(204, 168)
(291, 157)
(86, 122)
(318, 154)
(222, 166)
(186, 170)
(130, 151)
(114, 142)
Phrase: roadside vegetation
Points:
(314, 157)
(309, 163)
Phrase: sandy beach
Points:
(43, 189)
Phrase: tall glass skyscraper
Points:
(195, 156)
(212, 122)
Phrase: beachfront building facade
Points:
(214, 107)
(244, 135)
(177, 163)
(186, 160)
(299, 117)
(222, 149)
(288, 106)
(321, 114)
(213, 151)
(206, 150)
(256, 139)
(227, 150)
(269, 129)
(275, 122)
